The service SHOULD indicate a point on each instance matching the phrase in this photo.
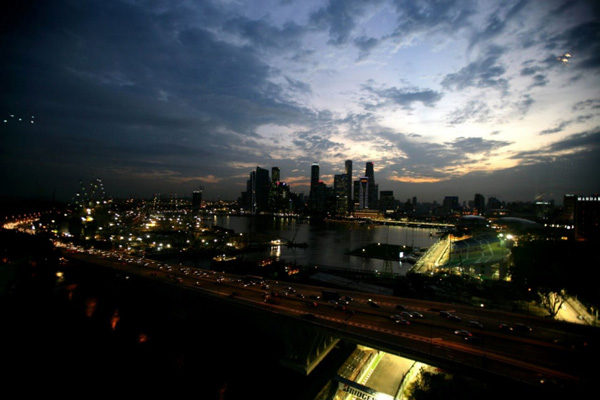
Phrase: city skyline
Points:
(452, 98)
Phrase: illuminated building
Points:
(341, 183)
(275, 175)
(587, 218)
(196, 199)
(348, 165)
(479, 203)
(373, 188)
(363, 193)
(450, 204)
(387, 203)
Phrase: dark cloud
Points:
(562, 125)
(591, 104)
(529, 71)
(131, 87)
(476, 145)
(482, 73)
(497, 21)
(365, 45)
(570, 173)
(524, 104)
(339, 18)
(404, 97)
(585, 141)
(298, 86)
(539, 80)
(418, 158)
(474, 110)
(581, 41)
(556, 129)
(432, 16)
(265, 35)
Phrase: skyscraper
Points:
(349, 195)
(387, 201)
(373, 187)
(450, 204)
(479, 203)
(275, 175)
(314, 175)
(197, 199)
(341, 183)
(363, 193)
(261, 189)
(587, 218)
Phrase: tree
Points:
(551, 301)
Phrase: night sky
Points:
(444, 97)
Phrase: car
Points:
(454, 317)
(475, 324)
(347, 299)
(416, 314)
(522, 328)
(472, 339)
(300, 295)
(462, 332)
(505, 327)
(405, 314)
(373, 303)
(314, 297)
(395, 317)
(401, 321)
(333, 302)
(445, 314)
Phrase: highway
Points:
(552, 353)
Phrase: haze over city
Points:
(445, 98)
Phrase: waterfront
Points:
(328, 242)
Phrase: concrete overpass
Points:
(553, 352)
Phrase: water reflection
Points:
(328, 243)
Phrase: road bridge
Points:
(553, 352)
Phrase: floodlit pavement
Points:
(388, 374)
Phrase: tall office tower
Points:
(314, 183)
(587, 218)
(275, 175)
(349, 195)
(569, 201)
(494, 203)
(373, 188)
(251, 192)
(341, 183)
(479, 203)
(197, 199)
(450, 204)
(314, 175)
(387, 203)
(261, 189)
(363, 193)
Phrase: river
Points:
(329, 242)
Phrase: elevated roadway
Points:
(553, 353)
